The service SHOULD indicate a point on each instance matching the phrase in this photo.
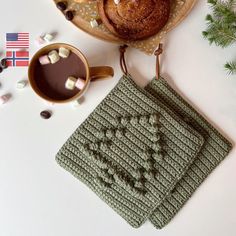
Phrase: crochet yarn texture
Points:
(214, 150)
(131, 151)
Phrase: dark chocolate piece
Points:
(62, 6)
(45, 114)
(4, 63)
(69, 15)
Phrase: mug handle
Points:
(101, 72)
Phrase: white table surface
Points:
(38, 198)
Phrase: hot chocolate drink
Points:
(50, 79)
(60, 73)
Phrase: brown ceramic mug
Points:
(48, 81)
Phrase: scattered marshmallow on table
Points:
(70, 83)
(64, 52)
(80, 83)
(39, 41)
(76, 103)
(21, 84)
(44, 60)
(4, 98)
(48, 37)
(53, 56)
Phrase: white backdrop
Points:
(37, 197)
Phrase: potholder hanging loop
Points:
(123, 65)
(122, 59)
(157, 53)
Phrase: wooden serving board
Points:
(87, 11)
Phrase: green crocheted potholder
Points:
(131, 151)
(214, 150)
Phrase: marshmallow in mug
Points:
(80, 83)
(44, 60)
(64, 52)
(70, 83)
(53, 56)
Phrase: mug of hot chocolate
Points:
(60, 73)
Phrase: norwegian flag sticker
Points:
(17, 58)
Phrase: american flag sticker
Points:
(17, 40)
(17, 58)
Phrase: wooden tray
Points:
(85, 12)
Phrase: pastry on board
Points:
(134, 19)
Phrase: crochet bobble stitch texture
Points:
(131, 151)
(214, 150)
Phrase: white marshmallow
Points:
(4, 98)
(70, 83)
(21, 84)
(75, 104)
(80, 83)
(94, 23)
(39, 41)
(53, 56)
(48, 37)
(64, 52)
(116, 2)
(44, 60)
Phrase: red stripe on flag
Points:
(23, 36)
(22, 54)
(18, 46)
(8, 54)
(22, 40)
(19, 41)
(22, 63)
(8, 43)
(9, 63)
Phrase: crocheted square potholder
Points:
(131, 151)
(214, 150)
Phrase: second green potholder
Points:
(214, 150)
(131, 151)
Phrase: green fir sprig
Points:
(221, 27)
(231, 67)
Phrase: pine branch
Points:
(224, 11)
(221, 26)
(220, 35)
(231, 67)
